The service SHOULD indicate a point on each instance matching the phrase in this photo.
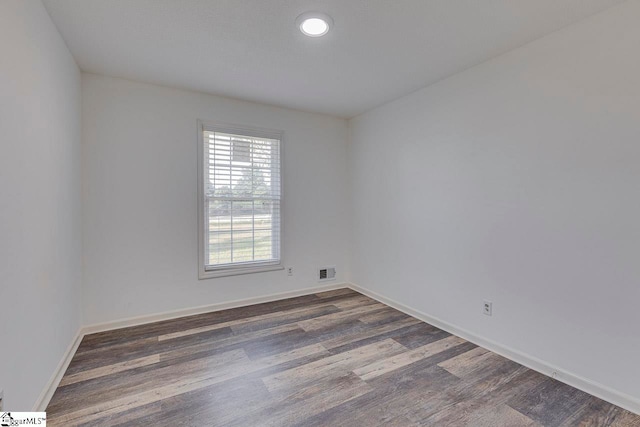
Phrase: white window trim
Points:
(249, 267)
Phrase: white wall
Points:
(40, 207)
(140, 223)
(517, 181)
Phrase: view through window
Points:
(242, 199)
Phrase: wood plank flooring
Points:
(335, 358)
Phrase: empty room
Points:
(320, 213)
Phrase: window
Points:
(240, 200)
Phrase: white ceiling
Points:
(377, 51)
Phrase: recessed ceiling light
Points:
(314, 24)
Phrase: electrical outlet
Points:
(487, 308)
(289, 271)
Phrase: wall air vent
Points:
(326, 273)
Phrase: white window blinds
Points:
(242, 199)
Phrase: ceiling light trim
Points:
(307, 16)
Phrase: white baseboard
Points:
(52, 384)
(46, 395)
(168, 315)
(603, 392)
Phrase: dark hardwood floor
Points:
(336, 358)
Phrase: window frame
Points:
(240, 267)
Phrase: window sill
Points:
(236, 271)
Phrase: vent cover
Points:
(326, 273)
